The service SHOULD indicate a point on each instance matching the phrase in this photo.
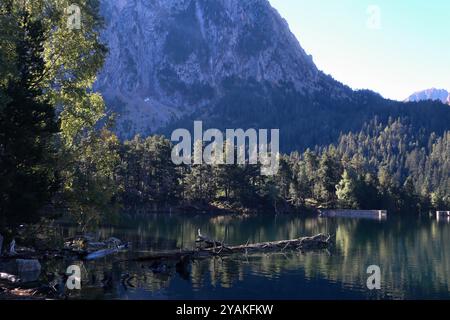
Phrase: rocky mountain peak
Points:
(430, 94)
(170, 58)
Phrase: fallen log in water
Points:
(319, 241)
(105, 252)
(86, 248)
(206, 240)
(214, 248)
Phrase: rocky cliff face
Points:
(231, 64)
(431, 94)
(172, 58)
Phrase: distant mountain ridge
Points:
(232, 64)
(430, 94)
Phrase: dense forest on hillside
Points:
(57, 150)
(307, 120)
(384, 166)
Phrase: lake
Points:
(413, 254)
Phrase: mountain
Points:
(431, 94)
(232, 64)
(170, 58)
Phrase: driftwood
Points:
(319, 241)
(87, 249)
(105, 252)
(9, 277)
(214, 248)
(206, 240)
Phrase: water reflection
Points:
(413, 255)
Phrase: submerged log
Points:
(319, 241)
(214, 247)
(105, 252)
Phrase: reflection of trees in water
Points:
(413, 255)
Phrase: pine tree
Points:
(27, 123)
(346, 191)
(328, 175)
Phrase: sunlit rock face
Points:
(171, 58)
(431, 94)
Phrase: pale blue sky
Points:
(410, 50)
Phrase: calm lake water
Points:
(413, 254)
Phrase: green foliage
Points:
(328, 176)
(309, 120)
(346, 191)
(147, 173)
(50, 147)
(90, 186)
(388, 166)
(200, 184)
(27, 120)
